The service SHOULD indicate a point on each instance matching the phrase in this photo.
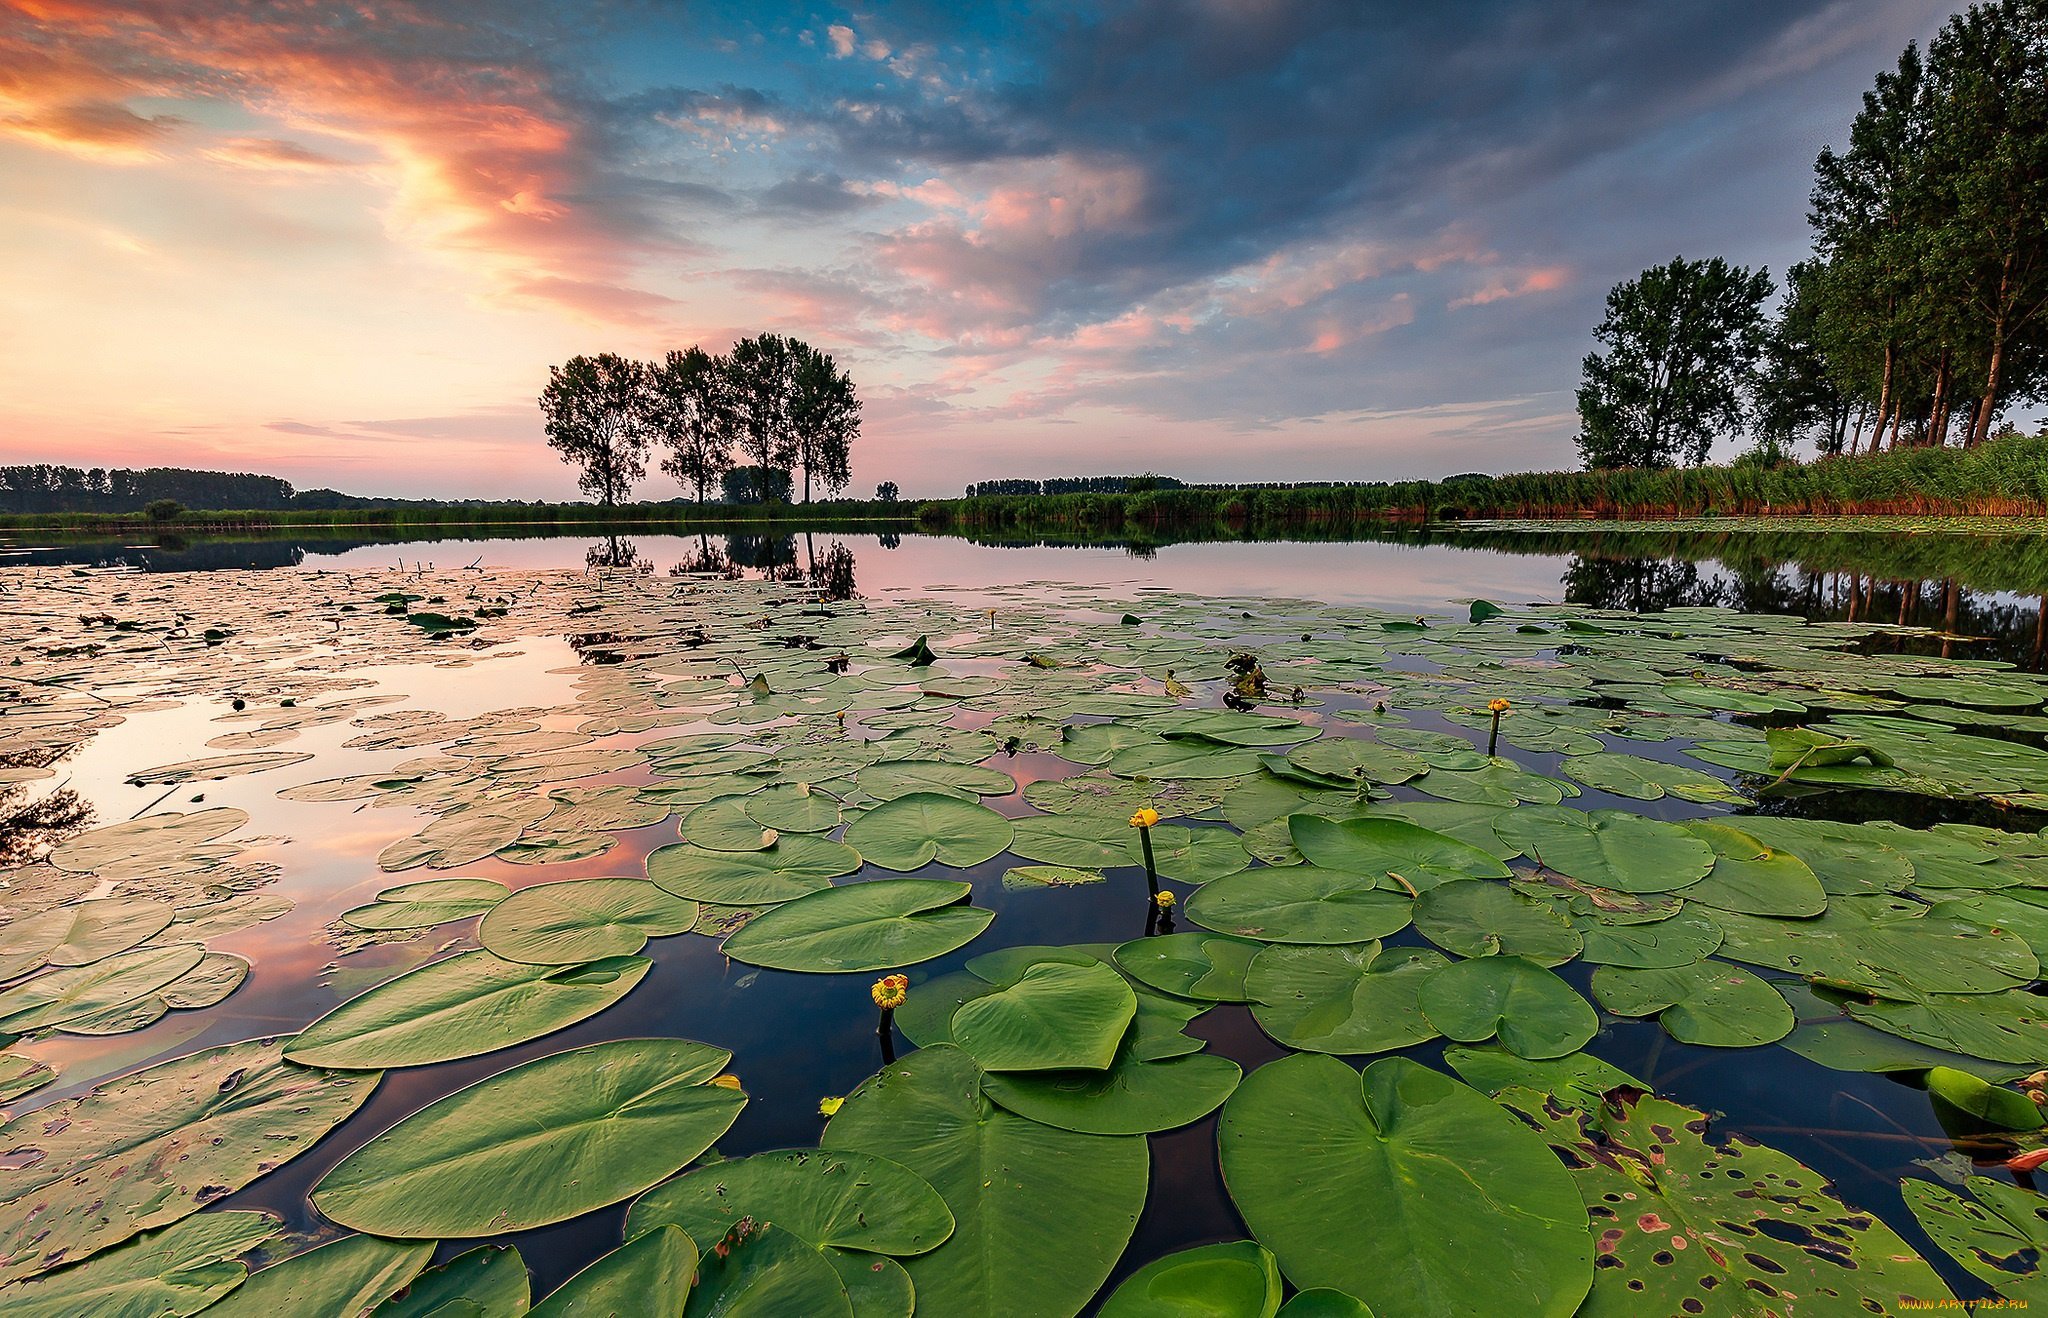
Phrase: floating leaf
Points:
(1235, 1280)
(1484, 919)
(1040, 1215)
(559, 924)
(1444, 1176)
(916, 829)
(1207, 967)
(178, 1270)
(485, 1281)
(795, 865)
(345, 1276)
(58, 997)
(765, 1270)
(1998, 1232)
(1707, 1002)
(1608, 848)
(1300, 904)
(469, 1004)
(1349, 999)
(542, 1142)
(1055, 1017)
(157, 1146)
(658, 1266)
(1412, 857)
(825, 1197)
(862, 926)
(1533, 1012)
(1665, 1204)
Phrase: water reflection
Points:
(32, 821)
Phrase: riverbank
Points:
(2002, 478)
(412, 518)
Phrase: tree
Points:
(823, 416)
(755, 484)
(163, 510)
(596, 419)
(1793, 395)
(886, 492)
(759, 375)
(688, 412)
(1988, 136)
(1680, 341)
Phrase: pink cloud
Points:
(1542, 280)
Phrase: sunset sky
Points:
(342, 243)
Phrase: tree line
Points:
(749, 419)
(1923, 311)
(43, 487)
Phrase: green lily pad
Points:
(423, 905)
(71, 993)
(1752, 878)
(559, 924)
(724, 825)
(658, 1265)
(1300, 904)
(1391, 849)
(1132, 1096)
(1235, 1280)
(488, 1280)
(1485, 919)
(1981, 1101)
(916, 829)
(1996, 1231)
(1310, 1150)
(348, 1275)
(1349, 999)
(1608, 848)
(2001, 1027)
(1207, 967)
(793, 808)
(543, 1142)
(765, 1270)
(1663, 1201)
(1534, 1013)
(1055, 1017)
(798, 864)
(1678, 940)
(840, 1198)
(469, 1004)
(862, 926)
(157, 1146)
(1578, 1080)
(970, 782)
(1706, 1002)
(177, 1270)
(1087, 841)
(1041, 1215)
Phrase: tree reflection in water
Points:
(33, 822)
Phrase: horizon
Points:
(1219, 240)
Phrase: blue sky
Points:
(1215, 238)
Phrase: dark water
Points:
(799, 1038)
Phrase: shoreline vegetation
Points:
(2005, 477)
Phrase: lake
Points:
(313, 722)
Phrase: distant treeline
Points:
(411, 515)
(2005, 476)
(42, 487)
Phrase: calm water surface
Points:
(798, 1038)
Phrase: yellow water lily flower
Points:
(890, 991)
(1145, 818)
(828, 1107)
(1499, 705)
(1164, 900)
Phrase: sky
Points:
(1218, 239)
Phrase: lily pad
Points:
(469, 1004)
(1310, 1150)
(1413, 857)
(659, 1265)
(1485, 919)
(1235, 1280)
(916, 829)
(176, 1270)
(1534, 1013)
(348, 1275)
(157, 1146)
(1041, 1215)
(540, 1143)
(1706, 1002)
(1207, 967)
(1608, 848)
(1997, 1231)
(862, 926)
(797, 864)
(1350, 999)
(1300, 904)
(825, 1197)
(560, 924)
(1056, 1016)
